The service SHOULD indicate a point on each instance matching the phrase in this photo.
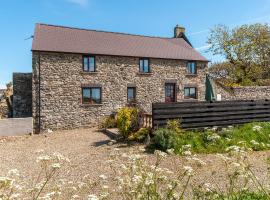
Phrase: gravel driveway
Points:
(88, 151)
(15, 126)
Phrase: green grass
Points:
(210, 141)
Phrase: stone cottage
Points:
(81, 75)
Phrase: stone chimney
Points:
(179, 31)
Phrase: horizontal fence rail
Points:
(207, 114)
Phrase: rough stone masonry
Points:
(22, 95)
(58, 79)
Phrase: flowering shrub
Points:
(127, 120)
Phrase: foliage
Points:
(128, 120)
(252, 135)
(246, 50)
(109, 122)
(140, 135)
(174, 125)
(164, 139)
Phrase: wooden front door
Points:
(170, 92)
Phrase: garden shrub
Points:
(109, 122)
(140, 135)
(174, 125)
(127, 120)
(164, 139)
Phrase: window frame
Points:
(189, 97)
(149, 69)
(88, 63)
(135, 94)
(91, 88)
(195, 70)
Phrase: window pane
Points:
(85, 63)
(141, 65)
(186, 92)
(192, 91)
(191, 66)
(92, 64)
(146, 65)
(131, 94)
(86, 95)
(96, 95)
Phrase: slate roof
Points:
(53, 38)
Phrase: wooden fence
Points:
(207, 114)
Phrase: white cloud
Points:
(199, 32)
(2, 86)
(82, 3)
(202, 48)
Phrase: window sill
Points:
(91, 105)
(144, 73)
(190, 100)
(89, 72)
(192, 75)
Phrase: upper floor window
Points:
(144, 65)
(89, 63)
(191, 68)
(91, 95)
(190, 92)
(131, 94)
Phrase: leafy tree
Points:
(246, 50)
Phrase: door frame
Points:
(174, 91)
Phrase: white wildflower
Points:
(56, 165)
(170, 151)
(188, 170)
(136, 179)
(103, 177)
(45, 158)
(255, 143)
(13, 172)
(256, 128)
(160, 153)
(92, 197)
(187, 153)
(75, 196)
(213, 137)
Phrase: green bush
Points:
(174, 125)
(140, 135)
(108, 122)
(164, 139)
(128, 120)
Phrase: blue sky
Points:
(146, 17)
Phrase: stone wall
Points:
(61, 79)
(244, 93)
(22, 95)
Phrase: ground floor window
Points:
(131, 94)
(190, 92)
(91, 95)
